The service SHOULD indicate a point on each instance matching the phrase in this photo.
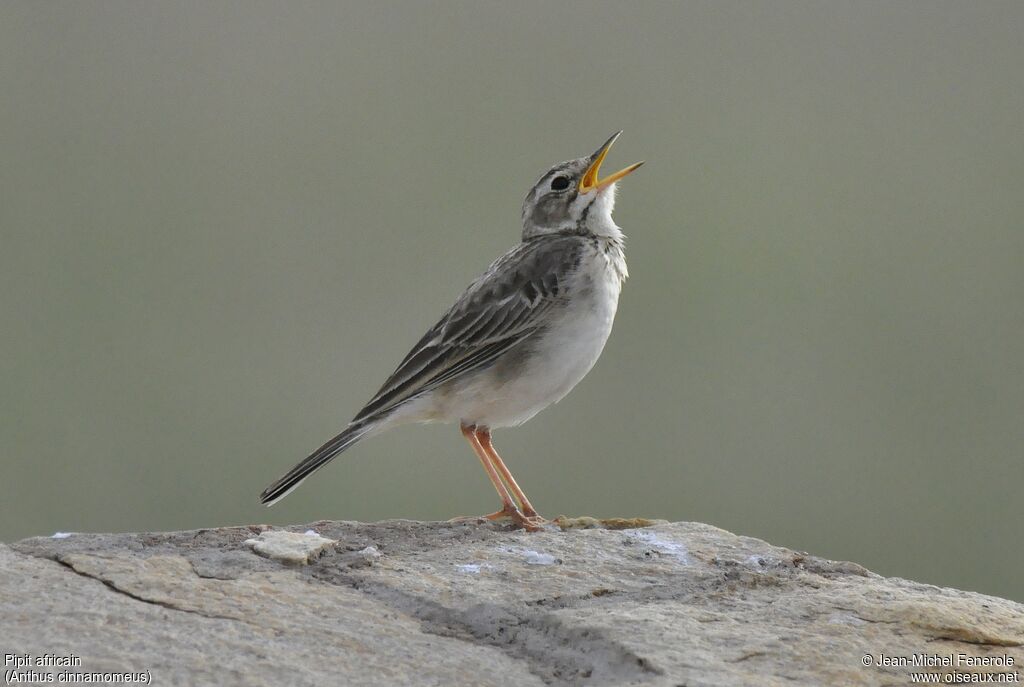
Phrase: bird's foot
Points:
(509, 512)
(506, 512)
(530, 523)
(533, 522)
(530, 520)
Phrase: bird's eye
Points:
(559, 183)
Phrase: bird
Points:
(518, 339)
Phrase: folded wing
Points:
(503, 308)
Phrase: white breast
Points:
(563, 355)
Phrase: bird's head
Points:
(571, 197)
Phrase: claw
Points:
(506, 512)
(530, 523)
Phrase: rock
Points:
(411, 603)
(290, 547)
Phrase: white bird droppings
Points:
(530, 556)
(661, 546)
(537, 558)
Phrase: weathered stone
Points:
(413, 603)
(290, 547)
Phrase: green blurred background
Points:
(223, 224)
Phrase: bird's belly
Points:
(540, 372)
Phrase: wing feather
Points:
(501, 309)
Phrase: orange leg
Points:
(484, 437)
(509, 508)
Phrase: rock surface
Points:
(411, 603)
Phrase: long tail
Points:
(319, 458)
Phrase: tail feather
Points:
(319, 458)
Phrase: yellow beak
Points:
(590, 181)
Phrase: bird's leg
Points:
(484, 437)
(509, 508)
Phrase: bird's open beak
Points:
(590, 181)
